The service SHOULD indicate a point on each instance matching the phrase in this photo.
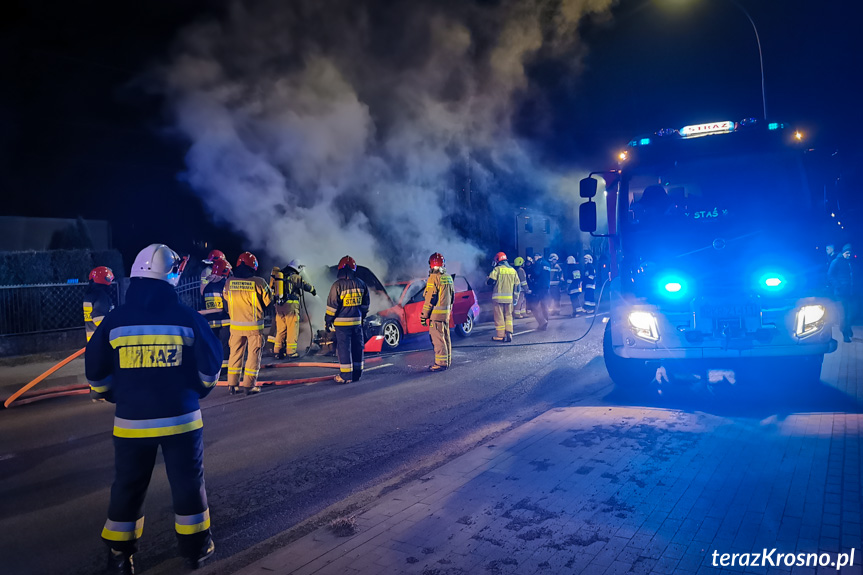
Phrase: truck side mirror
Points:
(587, 188)
(587, 216)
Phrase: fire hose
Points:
(30, 385)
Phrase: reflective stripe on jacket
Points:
(155, 358)
(215, 311)
(506, 282)
(247, 298)
(439, 295)
(348, 300)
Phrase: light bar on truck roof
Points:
(711, 128)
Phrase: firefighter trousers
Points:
(519, 310)
(502, 319)
(251, 344)
(134, 459)
(441, 342)
(349, 348)
(539, 307)
(287, 328)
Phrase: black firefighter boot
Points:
(206, 552)
(120, 563)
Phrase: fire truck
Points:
(714, 274)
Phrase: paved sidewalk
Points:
(608, 489)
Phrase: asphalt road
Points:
(281, 462)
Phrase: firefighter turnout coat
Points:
(439, 296)
(155, 358)
(247, 297)
(506, 285)
(347, 306)
(216, 313)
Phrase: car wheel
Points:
(392, 332)
(466, 328)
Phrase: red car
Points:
(403, 317)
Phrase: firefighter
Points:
(505, 281)
(247, 297)
(207, 272)
(572, 273)
(155, 358)
(97, 300)
(554, 284)
(215, 310)
(347, 306)
(439, 296)
(290, 285)
(538, 283)
(519, 309)
(588, 284)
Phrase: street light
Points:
(760, 56)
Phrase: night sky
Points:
(84, 133)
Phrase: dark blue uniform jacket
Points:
(155, 358)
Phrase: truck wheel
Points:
(392, 332)
(625, 372)
(466, 328)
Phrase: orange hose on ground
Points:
(21, 391)
(57, 389)
(329, 364)
(53, 395)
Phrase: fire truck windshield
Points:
(689, 204)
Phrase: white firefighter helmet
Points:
(158, 262)
(295, 265)
(570, 259)
(588, 258)
(553, 258)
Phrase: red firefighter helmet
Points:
(249, 259)
(215, 255)
(436, 260)
(499, 257)
(348, 262)
(221, 268)
(102, 275)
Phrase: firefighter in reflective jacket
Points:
(519, 310)
(288, 286)
(155, 358)
(97, 300)
(347, 306)
(439, 296)
(588, 282)
(247, 297)
(215, 310)
(505, 281)
(572, 273)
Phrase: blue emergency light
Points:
(772, 281)
(673, 285)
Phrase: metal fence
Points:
(28, 309)
(45, 307)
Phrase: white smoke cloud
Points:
(325, 127)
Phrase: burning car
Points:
(396, 307)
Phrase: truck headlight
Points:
(643, 325)
(810, 318)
